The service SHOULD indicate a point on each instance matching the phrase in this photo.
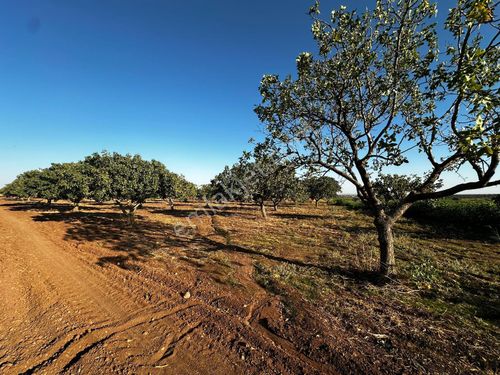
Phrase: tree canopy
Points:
(379, 89)
(323, 187)
(257, 177)
(127, 179)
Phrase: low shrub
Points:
(348, 202)
(462, 213)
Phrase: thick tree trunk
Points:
(386, 244)
(263, 210)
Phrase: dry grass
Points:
(323, 260)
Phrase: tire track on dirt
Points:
(62, 314)
(38, 278)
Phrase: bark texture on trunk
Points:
(386, 243)
(263, 210)
(128, 210)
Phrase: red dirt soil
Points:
(61, 311)
(83, 292)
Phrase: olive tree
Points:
(379, 94)
(323, 187)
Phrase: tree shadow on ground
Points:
(298, 216)
(136, 243)
(204, 211)
(37, 206)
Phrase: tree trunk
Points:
(171, 204)
(49, 201)
(263, 210)
(128, 211)
(316, 202)
(275, 206)
(386, 244)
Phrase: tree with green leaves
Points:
(323, 187)
(24, 186)
(378, 90)
(184, 189)
(204, 192)
(392, 188)
(300, 192)
(167, 182)
(44, 184)
(37, 183)
(72, 181)
(283, 185)
(128, 180)
(267, 178)
(232, 184)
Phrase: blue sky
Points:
(172, 80)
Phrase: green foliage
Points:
(204, 192)
(378, 87)
(496, 200)
(392, 188)
(123, 177)
(232, 184)
(462, 213)
(166, 180)
(24, 186)
(323, 187)
(300, 193)
(71, 181)
(350, 203)
(424, 274)
(270, 179)
(127, 179)
(256, 177)
(184, 190)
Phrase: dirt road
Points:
(60, 312)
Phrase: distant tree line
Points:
(128, 180)
(259, 177)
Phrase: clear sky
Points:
(173, 80)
